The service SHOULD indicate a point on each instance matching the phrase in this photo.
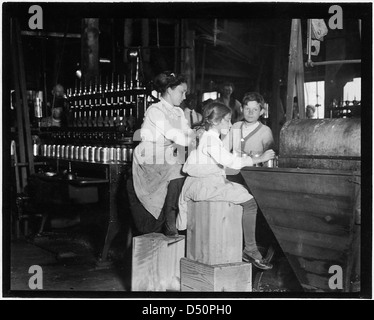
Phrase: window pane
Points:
(352, 90)
(315, 95)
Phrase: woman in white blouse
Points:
(158, 159)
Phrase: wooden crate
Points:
(214, 232)
(234, 277)
(156, 262)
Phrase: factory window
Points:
(210, 95)
(315, 95)
(352, 90)
(156, 94)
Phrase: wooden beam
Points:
(90, 49)
(295, 71)
(188, 56)
(300, 74)
(226, 73)
(43, 34)
(23, 96)
(275, 104)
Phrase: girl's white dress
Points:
(206, 179)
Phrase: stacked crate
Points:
(156, 262)
(214, 249)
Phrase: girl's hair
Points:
(168, 79)
(214, 112)
(253, 96)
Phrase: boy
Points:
(250, 136)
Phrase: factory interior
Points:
(70, 199)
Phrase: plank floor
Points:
(66, 267)
(68, 259)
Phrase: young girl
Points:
(207, 181)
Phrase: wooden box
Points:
(214, 232)
(156, 262)
(196, 276)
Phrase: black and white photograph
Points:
(186, 151)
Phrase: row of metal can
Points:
(85, 153)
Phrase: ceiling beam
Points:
(43, 34)
(226, 73)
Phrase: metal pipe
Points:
(159, 47)
(309, 44)
(203, 69)
(324, 63)
(50, 34)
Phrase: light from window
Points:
(210, 95)
(315, 95)
(352, 90)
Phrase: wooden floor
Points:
(68, 259)
(65, 267)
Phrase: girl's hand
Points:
(267, 155)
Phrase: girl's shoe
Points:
(259, 263)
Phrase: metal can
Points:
(92, 154)
(62, 152)
(81, 152)
(35, 149)
(53, 151)
(76, 152)
(58, 151)
(44, 150)
(124, 154)
(118, 154)
(67, 152)
(49, 147)
(71, 152)
(112, 154)
(272, 163)
(104, 154)
(86, 155)
(269, 163)
(98, 154)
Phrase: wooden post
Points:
(276, 108)
(335, 50)
(300, 74)
(202, 70)
(23, 120)
(177, 44)
(295, 71)
(146, 57)
(188, 56)
(127, 38)
(90, 49)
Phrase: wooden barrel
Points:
(321, 144)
